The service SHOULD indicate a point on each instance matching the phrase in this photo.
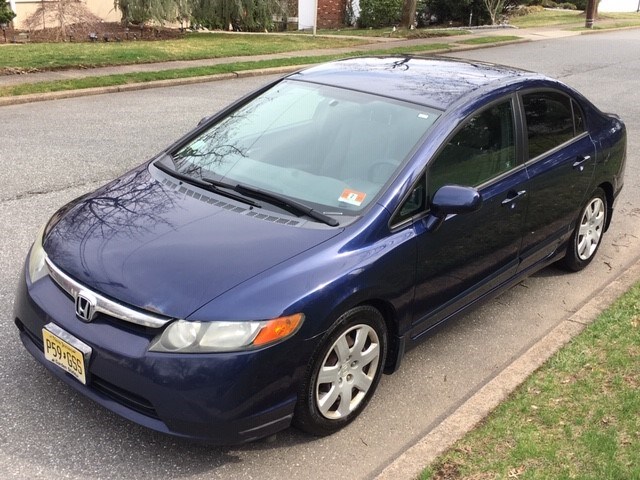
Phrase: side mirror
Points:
(452, 200)
(203, 120)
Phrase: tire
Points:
(343, 373)
(587, 236)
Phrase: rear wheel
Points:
(343, 372)
(587, 236)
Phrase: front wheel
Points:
(343, 372)
(587, 236)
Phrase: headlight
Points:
(37, 266)
(200, 337)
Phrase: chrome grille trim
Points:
(103, 304)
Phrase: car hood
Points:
(168, 247)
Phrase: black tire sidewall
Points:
(307, 417)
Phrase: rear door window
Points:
(550, 121)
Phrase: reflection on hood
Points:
(169, 248)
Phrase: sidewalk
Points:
(377, 43)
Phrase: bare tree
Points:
(61, 13)
(495, 8)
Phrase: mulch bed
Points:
(98, 32)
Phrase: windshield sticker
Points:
(352, 197)
(423, 115)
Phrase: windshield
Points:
(330, 148)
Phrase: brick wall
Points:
(331, 13)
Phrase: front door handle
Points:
(579, 163)
(512, 196)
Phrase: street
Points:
(54, 151)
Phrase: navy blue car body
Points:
(434, 237)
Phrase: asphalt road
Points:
(51, 152)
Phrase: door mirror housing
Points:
(452, 200)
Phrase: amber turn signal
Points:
(278, 328)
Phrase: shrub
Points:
(379, 13)
(242, 15)
(525, 10)
(567, 4)
(580, 4)
(6, 14)
(455, 12)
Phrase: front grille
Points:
(103, 304)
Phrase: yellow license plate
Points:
(66, 351)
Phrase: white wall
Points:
(618, 6)
(306, 14)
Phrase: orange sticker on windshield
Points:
(352, 197)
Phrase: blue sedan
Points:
(268, 267)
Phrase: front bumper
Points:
(223, 398)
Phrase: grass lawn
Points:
(613, 20)
(123, 79)
(488, 39)
(576, 417)
(51, 56)
(398, 33)
(574, 19)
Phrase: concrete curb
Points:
(41, 97)
(475, 409)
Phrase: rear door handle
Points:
(579, 163)
(512, 196)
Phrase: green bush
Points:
(579, 4)
(567, 4)
(243, 15)
(6, 14)
(379, 13)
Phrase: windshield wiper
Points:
(207, 184)
(217, 186)
(286, 203)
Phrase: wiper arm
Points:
(286, 203)
(207, 184)
(217, 186)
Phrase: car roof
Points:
(430, 81)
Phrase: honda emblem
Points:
(85, 307)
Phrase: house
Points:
(331, 13)
(101, 8)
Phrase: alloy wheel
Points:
(347, 372)
(590, 229)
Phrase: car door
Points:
(470, 254)
(561, 164)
